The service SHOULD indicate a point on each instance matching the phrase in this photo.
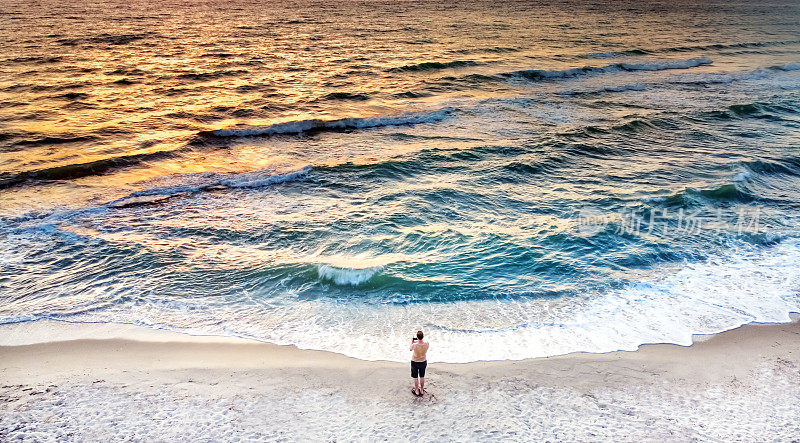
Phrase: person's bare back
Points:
(419, 361)
(420, 351)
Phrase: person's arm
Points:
(411, 348)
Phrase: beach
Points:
(223, 221)
(740, 385)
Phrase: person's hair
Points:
(419, 335)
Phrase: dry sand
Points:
(742, 384)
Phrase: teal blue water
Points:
(554, 178)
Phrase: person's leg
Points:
(415, 375)
(422, 367)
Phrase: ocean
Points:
(517, 179)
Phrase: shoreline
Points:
(116, 337)
(42, 332)
(64, 386)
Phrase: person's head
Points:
(419, 335)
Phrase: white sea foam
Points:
(347, 276)
(300, 126)
(752, 285)
(756, 286)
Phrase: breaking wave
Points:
(558, 74)
(319, 125)
(347, 276)
(690, 197)
(208, 182)
(688, 48)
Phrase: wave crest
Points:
(718, 46)
(542, 75)
(434, 66)
(665, 65)
(73, 171)
(787, 67)
(207, 182)
(347, 276)
(690, 197)
(318, 125)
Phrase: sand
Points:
(139, 384)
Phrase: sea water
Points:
(517, 179)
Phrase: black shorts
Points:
(418, 368)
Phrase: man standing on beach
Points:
(419, 361)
